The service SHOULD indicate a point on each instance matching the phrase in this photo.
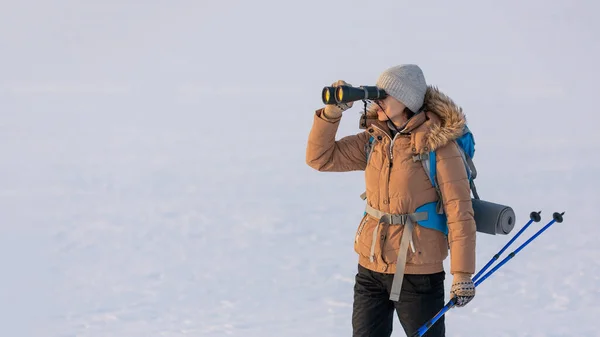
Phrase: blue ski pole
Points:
(422, 330)
(534, 216)
(557, 217)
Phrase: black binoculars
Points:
(345, 94)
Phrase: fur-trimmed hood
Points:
(452, 120)
(444, 122)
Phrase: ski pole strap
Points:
(408, 221)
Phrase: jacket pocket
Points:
(361, 226)
(430, 246)
(364, 236)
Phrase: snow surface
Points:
(154, 181)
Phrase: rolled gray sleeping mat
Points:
(492, 218)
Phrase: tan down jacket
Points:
(397, 184)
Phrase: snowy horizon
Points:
(154, 168)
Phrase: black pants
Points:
(421, 297)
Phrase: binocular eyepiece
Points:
(345, 94)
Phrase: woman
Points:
(401, 272)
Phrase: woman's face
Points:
(392, 107)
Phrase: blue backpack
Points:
(436, 217)
(466, 145)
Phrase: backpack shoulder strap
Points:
(470, 168)
(369, 147)
(429, 164)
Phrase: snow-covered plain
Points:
(153, 175)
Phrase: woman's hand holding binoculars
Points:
(334, 111)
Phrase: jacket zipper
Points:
(390, 167)
(392, 147)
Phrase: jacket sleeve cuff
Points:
(321, 114)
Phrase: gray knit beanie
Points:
(405, 83)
